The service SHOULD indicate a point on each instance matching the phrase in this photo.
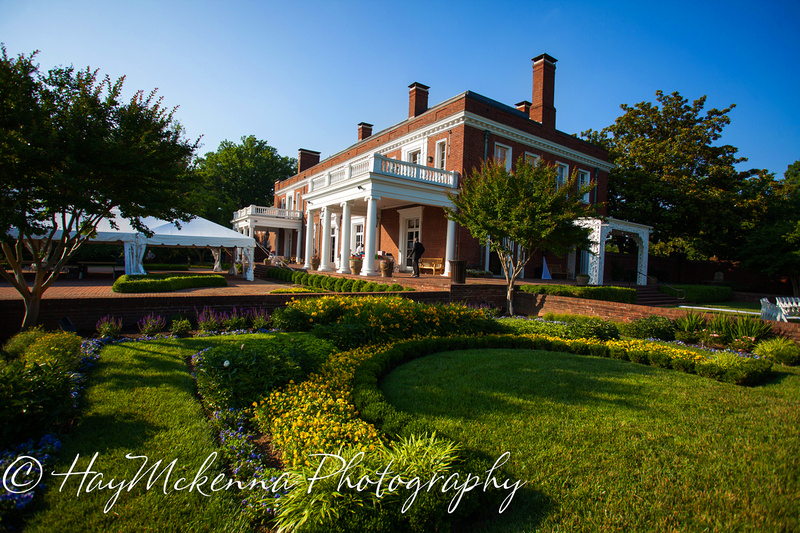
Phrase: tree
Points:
(238, 175)
(669, 174)
(773, 246)
(518, 213)
(70, 152)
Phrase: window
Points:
(415, 157)
(441, 154)
(532, 159)
(358, 238)
(502, 155)
(563, 175)
(583, 180)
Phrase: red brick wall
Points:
(85, 312)
(539, 304)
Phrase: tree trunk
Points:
(32, 302)
(795, 285)
(510, 297)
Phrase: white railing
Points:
(276, 212)
(378, 164)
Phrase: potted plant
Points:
(355, 264)
(315, 262)
(387, 266)
(582, 279)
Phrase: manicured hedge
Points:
(609, 294)
(701, 294)
(332, 283)
(167, 282)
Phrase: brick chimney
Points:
(364, 130)
(417, 99)
(544, 84)
(524, 106)
(306, 159)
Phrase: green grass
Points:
(141, 400)
(607, 445)
(732, 306)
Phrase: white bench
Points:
(790, 305)
(770, 311)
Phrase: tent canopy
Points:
(198, 232)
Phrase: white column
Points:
(486, 258)
(344, 232)
(370, 244)
(309, 239)
(450, 247)
(644, 249)
(299, 251)
(277, 243)
(325, 249)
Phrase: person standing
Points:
(416, 255)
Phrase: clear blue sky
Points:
(303, 74)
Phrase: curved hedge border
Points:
(167, 282)
(332, 283)
(608, 294)
(373, 407)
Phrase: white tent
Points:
(198, 232)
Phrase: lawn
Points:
(141, 401)
(608, 445)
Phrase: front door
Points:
(412, 232)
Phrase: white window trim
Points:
(441, 162)
(536, 157)
(421, 146)
(355, 221)
(581, 174)
(404, 215)
(560, 165)
(508, 149)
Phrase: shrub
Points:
(338, 285)
(34, 397)
(780, 350)
(180, 326)
(701, 294)
(152, 324)
(650, 327)
(368, 287)
(166, 282)
(592, 328)
(347, 286)
(611, 294)
(108, 326)
(58, 349)
(236, 376)
(522, 326)
(16, 345)
(357, 284)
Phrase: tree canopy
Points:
(671, 174)
(238, 175)
(773, 247)
(518, 213)
(71, 151)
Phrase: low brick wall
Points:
(539, 304)
(85, 312)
